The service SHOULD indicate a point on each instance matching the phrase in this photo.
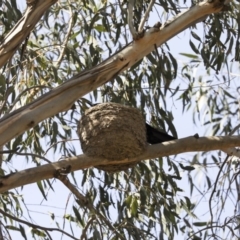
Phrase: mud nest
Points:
(114, 132)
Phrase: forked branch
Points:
(48, 105)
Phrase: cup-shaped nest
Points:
(114, 132)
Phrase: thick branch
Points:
(189, 144)
(21, 30)
(61, 98)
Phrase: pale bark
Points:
(35, 10)
(62, 97)
(189, 144)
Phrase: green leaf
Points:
(194, 48)
(100, 28)
(40, 187)
(196, 36)
(77, 214)
(228, 94)
(196, 238)
(22, 230)
(134, 207)
(38, 232)
(143, 196)
(189, 55)
(175, 64)
(128, 201)
(12, 228)
(69, 217)
(188, 168)
(200, 224)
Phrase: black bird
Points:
(155, 136)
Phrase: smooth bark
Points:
(189, 144)
(61, 98)
(11, 42)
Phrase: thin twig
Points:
(203, 229)
(130, 19)
(84, 202)
(84, 236)
(235, 129)
(34, 225)
(7, 231)
(146, 15)
(6, 95)
(33, 155)
(1, 156)
(49, 235)
(70, 26)
(26, 90)
(1, 232)
(9, 151)
(214, 190)
(65, 212)
(60, 141)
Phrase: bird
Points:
(155, 136)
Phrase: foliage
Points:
(146, 202)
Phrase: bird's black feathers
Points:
(155, 136)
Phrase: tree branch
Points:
(61, 98)
(35, 226)
(35, 10)
(130, 19)
(64, 45)
(213, 192)
(189, 144)
(88, 204)
(146, 15)
(84, 231)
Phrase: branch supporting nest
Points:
(189, 144)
